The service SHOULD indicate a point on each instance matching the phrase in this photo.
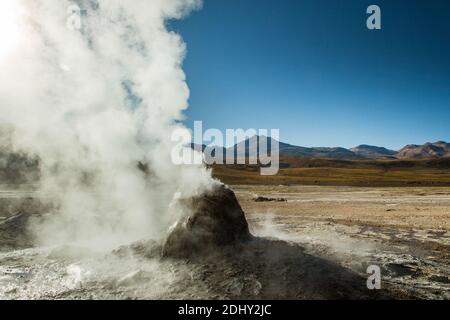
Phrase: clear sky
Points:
(312, 69)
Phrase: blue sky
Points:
(312, 69)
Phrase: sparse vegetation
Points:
(305, 171)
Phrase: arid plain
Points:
(403, 230)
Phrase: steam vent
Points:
(217, 220)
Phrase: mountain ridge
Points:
(249, 148)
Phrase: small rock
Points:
(265, 199)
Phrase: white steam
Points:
(93, 103)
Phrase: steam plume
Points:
(97, 106)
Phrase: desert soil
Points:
(404, 231)
(329, 236)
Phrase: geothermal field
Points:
(405, 231)
(306, 243)
(100, 193)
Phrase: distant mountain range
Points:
(435, 150)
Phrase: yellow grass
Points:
(240, 175)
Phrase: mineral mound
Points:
(216, 220)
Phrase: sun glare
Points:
(9, 27)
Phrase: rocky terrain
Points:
(315, 244)
(438, 149)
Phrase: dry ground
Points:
(406, 231)
(425, 208)
(330, 236)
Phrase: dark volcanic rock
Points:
(217, 220)
(265, 199)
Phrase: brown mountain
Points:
(435, 150)
(249, 148)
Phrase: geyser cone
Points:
(216, 220)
